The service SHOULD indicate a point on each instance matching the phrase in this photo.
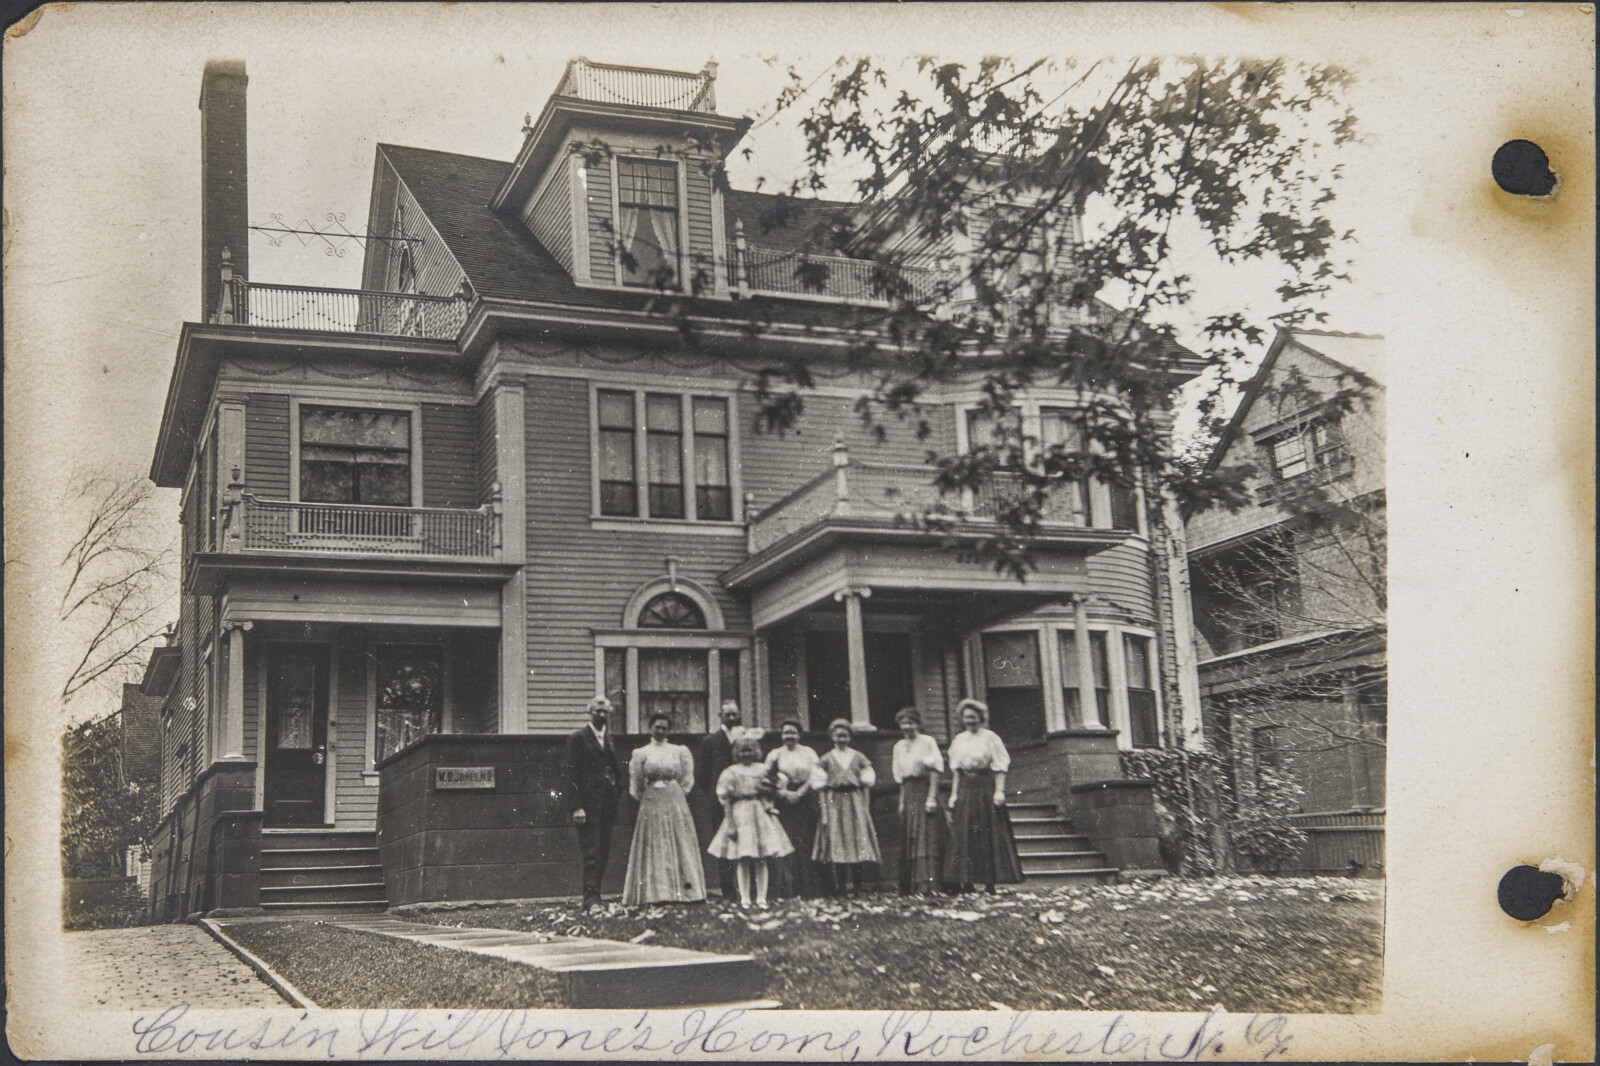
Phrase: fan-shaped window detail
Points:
(672, 610)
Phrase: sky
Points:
(103, 165)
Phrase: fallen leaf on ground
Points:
(642, 937)
(1106, 970)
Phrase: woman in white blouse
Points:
(917, 765)
(790, 766)
(981, 850)
(664, 860)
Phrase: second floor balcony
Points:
(393, 314)
(347, 528)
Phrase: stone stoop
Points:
(1051, 853)
(600, 973)
(321, 872)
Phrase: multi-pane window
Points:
(672, 610)
(686, 439)
(1012, 678)
(1003, 434)
(647, 222)
(616, 676)
(618, 491)
(410, 695)
(1072, 678)
(663, 418)
(1061, 429)
(1315, 445)
(1264, 746)
(674, 682)
(355, 456)
(713, 494)
(1143, 727)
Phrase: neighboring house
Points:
(1290, 593)
(425, 521)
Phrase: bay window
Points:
(1012, 678)
(1072, 680)
(1144, 729)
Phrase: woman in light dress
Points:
(845, 837)
(981, 850)
(750, 832)
(917, 765)
(790, 766)
(664, 861)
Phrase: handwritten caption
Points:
(899, 1036)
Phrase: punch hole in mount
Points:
(1527, 892)
(1521, 168)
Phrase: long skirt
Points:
(923, 842)
(844, 827)
(664, 861)
(749, 832)
(982, 851)
(796, 876)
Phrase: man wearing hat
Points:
(594, 785)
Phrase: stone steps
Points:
(1050, 853)
(326, 872)
(600, 973)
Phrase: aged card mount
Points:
(1474, 208)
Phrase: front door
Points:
(297, 734)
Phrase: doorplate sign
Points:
(453, 777)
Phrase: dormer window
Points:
(647, 223)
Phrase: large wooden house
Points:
(1290, 593)
(426, 520)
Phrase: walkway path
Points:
(599, 973)
(158, 966)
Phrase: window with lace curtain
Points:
(647, 223)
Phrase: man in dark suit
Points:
(594, 785)
(714, 756)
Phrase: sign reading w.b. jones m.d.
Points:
(449, 777)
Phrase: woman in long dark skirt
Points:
(791, 765)
(981, 849)
(917, 765)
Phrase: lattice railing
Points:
(607, 83)
(394, 314)
(282, 525)
(753, 268)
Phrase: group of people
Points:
(802, 819)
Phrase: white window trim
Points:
(369, 760)
(355, 404)
(1031, 409)
(683, 220)
(691, 521)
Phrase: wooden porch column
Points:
(1091, 714)
(231, 735)
(856, 645)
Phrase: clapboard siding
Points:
(602, 259)
(266, 445)
(448, 455)
(1122, 576)
(698, 213)
(550, 216)
(579, 579)
(355, 804)
(775, 464)
(486, 452)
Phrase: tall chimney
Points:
(224, 192)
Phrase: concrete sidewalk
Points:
(158, 966)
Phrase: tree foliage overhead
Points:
(1030, 219)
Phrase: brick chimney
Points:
(224, 193)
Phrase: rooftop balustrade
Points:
(608, 83)
(393, 314)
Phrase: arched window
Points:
(672, 610)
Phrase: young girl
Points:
(845, 837)
(749, 833)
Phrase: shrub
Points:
(1261, 830)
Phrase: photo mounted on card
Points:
(1000, 532)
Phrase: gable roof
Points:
(1362, 353)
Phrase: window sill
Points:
(612, 524)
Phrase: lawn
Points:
(1248, 944)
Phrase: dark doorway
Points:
(297, 734)
(889, 680)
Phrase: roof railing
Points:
(611, 83)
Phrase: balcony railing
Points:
(282, 525)
(394, 314)
(754, 269)
(1331, 465)
(902, 493)
(606, 83)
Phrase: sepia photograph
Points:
(546, 509)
